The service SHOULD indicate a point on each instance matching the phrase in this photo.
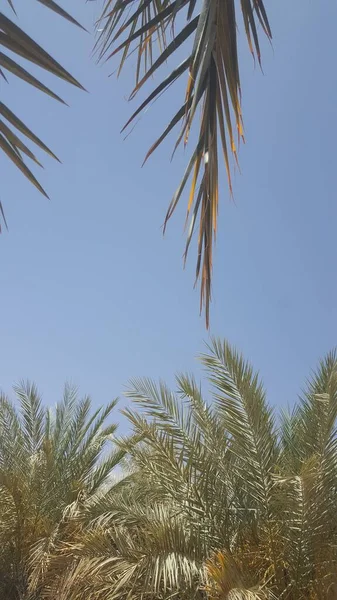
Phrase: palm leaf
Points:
(14, 39)
(32, 415)
(213, 88)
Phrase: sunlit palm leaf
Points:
(213, 86)
(14, 39)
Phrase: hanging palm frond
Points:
(213, 86)
(15, 40)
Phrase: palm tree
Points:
(225, 502)
(158, 28)
(54, 468)
(14, 39)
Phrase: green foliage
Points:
(218, 500)
(54, 467)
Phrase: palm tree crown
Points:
(221, 501)
(52, 472)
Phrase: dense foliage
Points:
(51, 474)
(218, 499)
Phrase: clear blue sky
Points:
(92, 293)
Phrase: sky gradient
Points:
(90, 290)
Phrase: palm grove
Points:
(212, 499)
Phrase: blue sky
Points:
(92, 293)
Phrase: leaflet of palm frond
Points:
(14, 155)
(141, 8)
(2, 215)
(201, 44)
(149, 21)
(149, 26)
(178, 40)
(192, 162)
(7, 63)
(60, 11)
(18, 124)
(16, 40)
(11, 5)
(16, 142)
(175, 120)
(159, 89)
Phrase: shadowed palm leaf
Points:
(15, 40)
(213, 84)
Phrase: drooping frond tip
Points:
(213, 88)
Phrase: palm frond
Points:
(247, 418)
(318, 408)
(14, 39)
(213, 88)
(32, 415)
